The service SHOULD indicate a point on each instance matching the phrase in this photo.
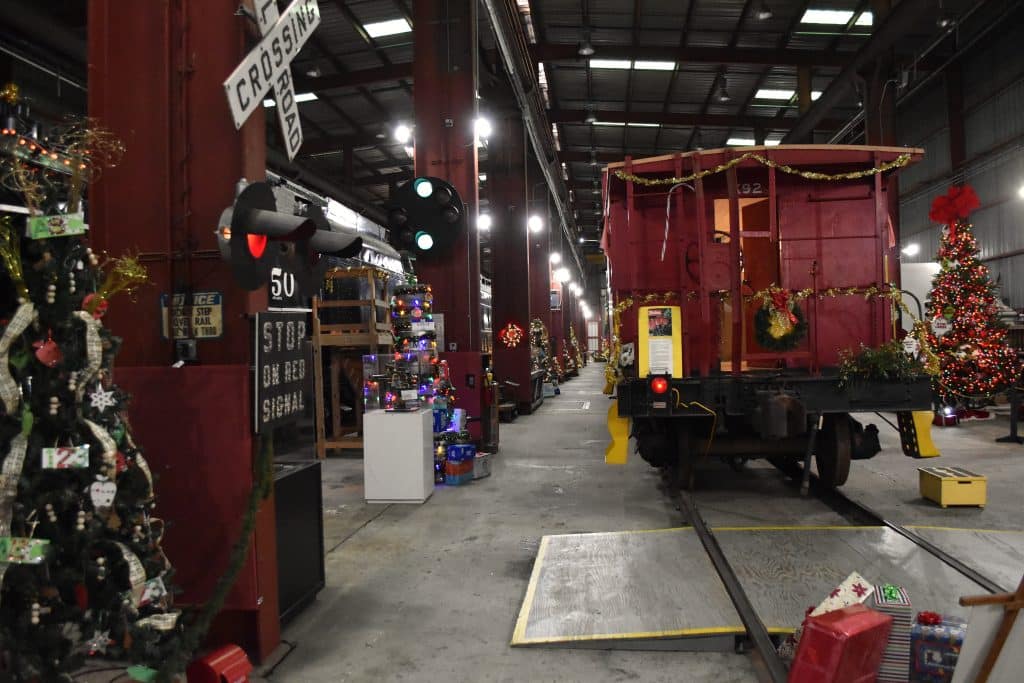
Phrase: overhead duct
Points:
(905, 18)
(515, 54)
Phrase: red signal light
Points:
(257, 244)
(659, 385)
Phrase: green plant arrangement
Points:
(887, 362)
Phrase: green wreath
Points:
(787, 342)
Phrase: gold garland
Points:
(613, 373)
(898, 162)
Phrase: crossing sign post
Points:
(268, 67)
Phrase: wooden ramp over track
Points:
(657, 589)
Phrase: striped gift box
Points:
(893, 600)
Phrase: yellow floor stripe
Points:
(519, 634)
(652, 635)
(794, 528)
(954, 528)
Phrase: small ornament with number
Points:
(66, 457)
(102, 493)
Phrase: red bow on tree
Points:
(929, 618)
(956, 204)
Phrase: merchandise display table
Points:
(398, 456)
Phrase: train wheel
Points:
(833, 450)
(685, 461)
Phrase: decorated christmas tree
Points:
(976, 362)
(82, 572)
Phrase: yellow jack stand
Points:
(618, 428)
(916, 434)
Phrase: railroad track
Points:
(763, 647)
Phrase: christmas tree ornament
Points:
(99, 642)
(102, 493)
(51, 514)
(54, 406)
(65, 457)
(80, 521)
(47, 352)
(101, 400)
(95, 308)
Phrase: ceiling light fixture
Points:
(536, 224)
(764, 12)
(483, 128)
(391, 27)
(722, 93)
(912, 249)
(483, 221)
(403, 133)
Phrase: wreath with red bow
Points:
(510, 335)
(779, 324)
(954, 206)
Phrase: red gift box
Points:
(843, 646)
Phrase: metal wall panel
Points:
(993, 81)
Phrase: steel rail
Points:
(756, 630)
(849, 508)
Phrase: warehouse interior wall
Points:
(993, 121)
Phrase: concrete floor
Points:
(431, 592)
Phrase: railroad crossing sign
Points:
(268, 66)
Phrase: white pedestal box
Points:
(398, 456)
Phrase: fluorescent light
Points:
(391, 27)
(555, 258)
(827, 16)
(403, 133)
(611, 64)
(865, 19)
(301, 97)
(912, 249)
(653, 66)
(740, 142)
(815, 94)
(769, 94)
(609, 123)
(483, 177)
(644, 125)
(772, 143)
(483, 221)
(1020, 192)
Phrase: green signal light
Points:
(424, 241)
(423, 187)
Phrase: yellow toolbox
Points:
(953, 486)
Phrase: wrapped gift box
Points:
(853, 590)
(893, 600)
(841, 646)
(935, 642)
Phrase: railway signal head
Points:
(257, 240)
(426, 216)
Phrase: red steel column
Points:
(540, 253)
(444, 74)
(156, 70)
(510, 242)
(445, 104)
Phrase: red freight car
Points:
(754, 230)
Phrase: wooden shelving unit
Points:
(344, 345)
